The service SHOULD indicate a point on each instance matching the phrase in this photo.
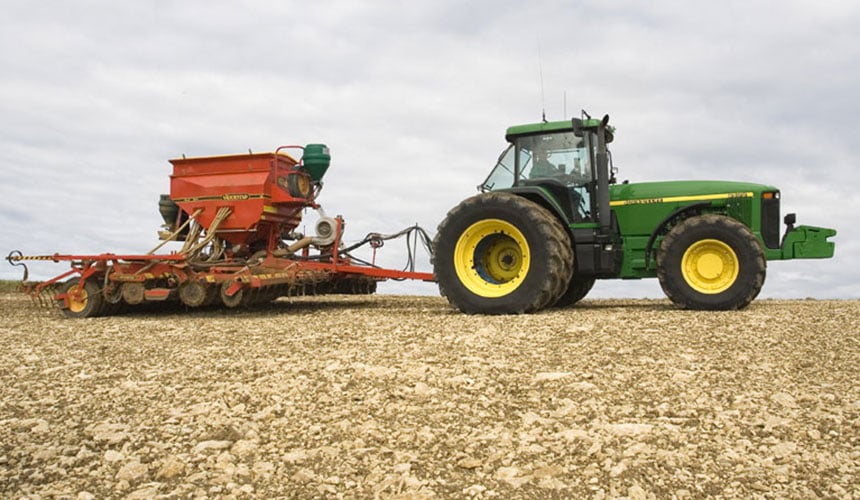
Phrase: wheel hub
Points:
(710, 266)
(491, 258)
(501, 258)
(77, 299)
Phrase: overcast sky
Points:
(413, 99)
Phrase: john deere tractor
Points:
(551, 219)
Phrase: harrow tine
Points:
(41, 296)
(46, 296)
(34, 298)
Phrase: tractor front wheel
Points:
(711, 262)
(85, 302)
(499, 253)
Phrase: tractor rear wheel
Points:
(85, 303)
(576, 291)
(499, 253)
(711, 262)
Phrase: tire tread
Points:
(723, 224)
(552, 233)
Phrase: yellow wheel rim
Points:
(491, 258)
(710, 266)
(79, 303)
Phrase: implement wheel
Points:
(711, 262)
(193, 293)
(499, 253)
(84, 303)
(133, 293)
(234, 300)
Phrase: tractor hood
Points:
(679, 191)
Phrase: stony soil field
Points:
(401, 397)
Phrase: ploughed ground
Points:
(402, 397)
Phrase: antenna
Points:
(565, 105)
(540, 70)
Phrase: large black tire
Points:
(89, 304)
(499, 253)
(577, 289)
(711, 262)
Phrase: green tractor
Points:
(551, 219)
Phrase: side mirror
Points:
(789, 220)
(577, 127)
(608, 132)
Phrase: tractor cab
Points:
(557, 158)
